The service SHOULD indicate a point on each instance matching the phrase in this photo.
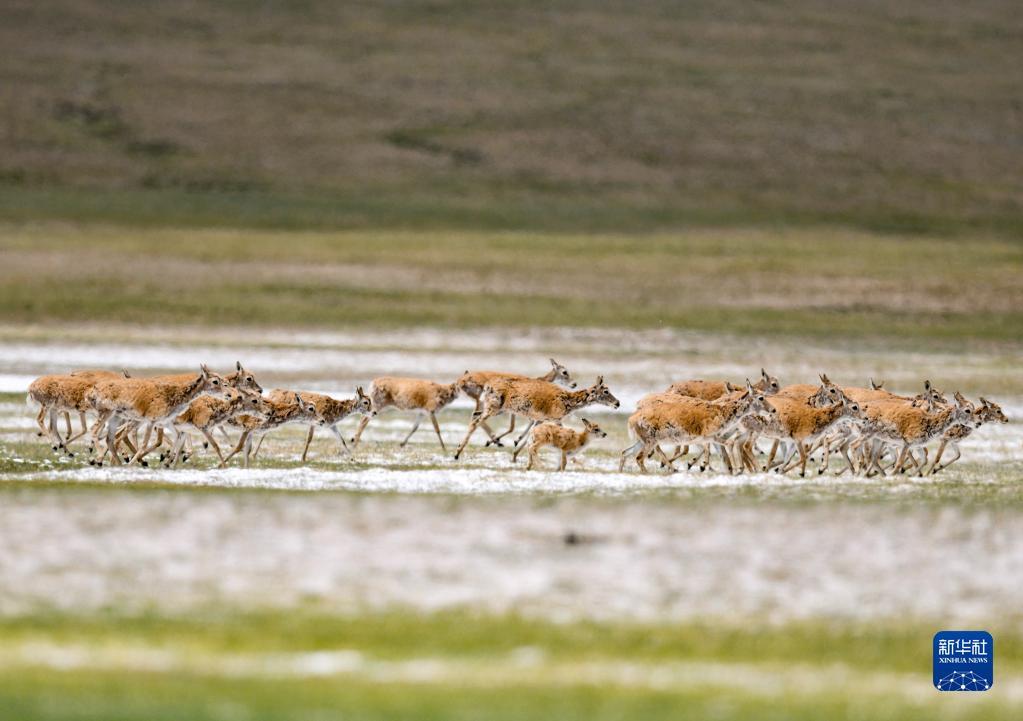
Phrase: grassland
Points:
(459, 665)
(531, 115)
(827, 283)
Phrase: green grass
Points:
(827, 283)
(544, 115)
(575, 670)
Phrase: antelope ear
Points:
(824, 379)
(749, 386)
(927, 385)
(298, 399)
(126, 373)
(763, 374)
(238, 365)
(985, 401)
(204, 370)
(600, 380)
(358, 391)
(553, 362)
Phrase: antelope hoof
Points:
(205, 444)
(145, 464)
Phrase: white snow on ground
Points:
(85, 550)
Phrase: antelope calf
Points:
(330, 413)
(426, 398)
(536, 400)
(207, 413)
(278, 413)
(472, 383)
(150, 402)
(568, 441)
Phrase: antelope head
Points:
(211, 383)
(768, 383)
(594, 429)
(561, 374)
(245, 380)
(599, 393)
(363, 403)
(992, 411)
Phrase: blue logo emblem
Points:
(964, 660)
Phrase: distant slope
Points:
(638, 113)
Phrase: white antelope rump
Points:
(291, 410)
(568, 441)
(207, 413)
(330, 412)
(425, 398)
(536, 400)
(690, 421)
(155, 404)
(472, 383)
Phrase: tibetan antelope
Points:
(712, 390)
(291, 410)
(536, 400)
(987, 413)
(472, 383)
(801, 424)
(150, 402)
(566, 440)
(692, 421)
(426, 398)
(931, 397)
(330, 412)
(65, 394)
(914, 426)
(207, 413)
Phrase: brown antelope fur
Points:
(689, 420)
(65, 394)
(802, 423)
(148, 401)
(472, 383)
(816, 395)
(566, 440)
(330, 412)
(987, 413)
(915, 425)
(239, 378)
(206, 413)
(536, 400)
(409, 394)
(931, 397)
(712, 390)
(278, 413)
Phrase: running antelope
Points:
(207, 413)
(330, 412)
(988, 413)
(278, 413)
(536, 400)
(65, 394)
(566, 440)
(802, 424)
(153, 403)
(472, 384)
(915, 426)
(690, 421)
(426, 398)
(712, 390)
(931, 397)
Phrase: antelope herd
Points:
(872, 430)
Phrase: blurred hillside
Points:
(553, 114)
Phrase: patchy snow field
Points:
(412, 528)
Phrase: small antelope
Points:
(279, 413)
(568, 441)
(239, 378)
(206, 413)
(330, 412)
(536, 400)
(154, 403)
(931, 397)
(824, 394)
(426, 398)
(472, 383)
